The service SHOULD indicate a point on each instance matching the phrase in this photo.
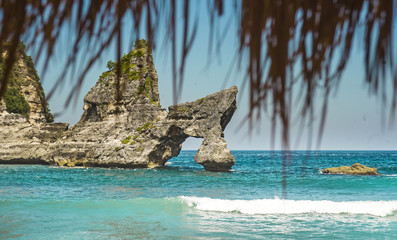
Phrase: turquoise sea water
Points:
(182, 201)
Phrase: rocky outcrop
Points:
(25, 94)
(207, 118)
(132, 130)
(355, 169)
(25, 128)
(22, 142)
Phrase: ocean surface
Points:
(268, 195)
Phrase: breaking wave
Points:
(281, 206)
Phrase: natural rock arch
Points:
(134, 131)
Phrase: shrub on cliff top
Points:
(111, 65)
(140, 43)
(48, 115)
(14, 100)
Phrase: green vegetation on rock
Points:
(111, 65)
(148, 84)
(140, 148)
(185, 108)
(28, 61)
(133, 75)
(13, 97)
(14, 100)
(104, 75)
(126, 140)
(140, 43)
(16, 103)
(132, 72)
(182, 109)
(146, 89)
(126, 64)
(146, 126)
(48, 115)
(138, 52)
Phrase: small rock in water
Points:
(355, 169)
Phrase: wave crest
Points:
(281, 206)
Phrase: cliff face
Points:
(135, 131)
(22, 142)
(25, 94)
(138, 87)
(25, 131)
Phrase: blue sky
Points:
(354, 117)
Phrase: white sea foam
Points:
(281, 206)
(389, 175)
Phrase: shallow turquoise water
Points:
(182, 201)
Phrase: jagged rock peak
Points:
(24, 94)
(138, 85)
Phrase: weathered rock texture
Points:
(25, 94)
(135, 131)
(22, 142)
(25, 131)
(355, 169)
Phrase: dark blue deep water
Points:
(268, 195)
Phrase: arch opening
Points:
(185, 159)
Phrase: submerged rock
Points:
(135, 132)
(355, 169)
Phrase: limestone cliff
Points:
(25, 94)
(135, 131)
(25, 131)
(22, 142)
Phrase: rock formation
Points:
(22, 142)
(25, 94)
(355, 169)
(133, 131)
(25, 128)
